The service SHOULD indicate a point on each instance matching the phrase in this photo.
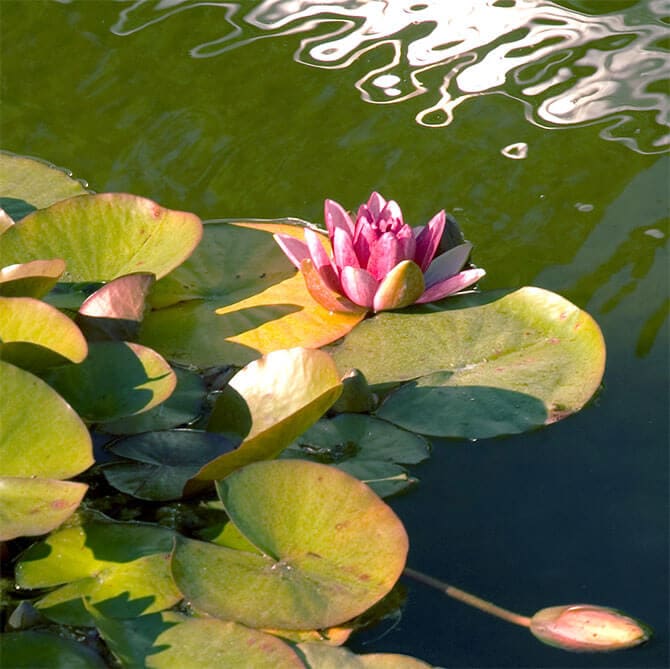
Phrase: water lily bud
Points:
(356, 395)
(587, 628)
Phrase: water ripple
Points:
(567, 68)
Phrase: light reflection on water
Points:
(567, 68)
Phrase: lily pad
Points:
(30, 279)
(160, 463)
(115, 311)
(367, 448)
(30, 650)
(102, 237)
(235, 298)
(280, 396)
(35, 335)
(184, 406)
(486, 366)
(322, 656)
(28, 184)
(122, 567)
(116, 379)
(32, 506)
(331, 549)
(40, 434)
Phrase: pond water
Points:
(542, 126)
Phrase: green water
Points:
(573, 513)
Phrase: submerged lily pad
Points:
(160, 463)
(35, 335)
(31, 650)
(40, 434)
(331, 549)
(116, 379)
(269, 403)
(102, 237)
(236, 298)
(30, 506)
(370, 449)
(27, 184)
(30, 279)
(485, 366)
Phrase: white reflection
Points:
(567, 68)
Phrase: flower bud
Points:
(356, 395)
(587, 628)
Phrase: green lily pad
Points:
(33, 650)
(269, 403)
(160, 463)
(115, 311)
(30, 279)
(40, 434)
(367, 448)
(35, 335)
(236, 298)
(123, 568)
(323, 656)
(102, 237)
(486, 366)
(116, 379)
(331, 549)
(184, 406)
(28, 184)
(32, 506)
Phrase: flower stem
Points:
(469, 599)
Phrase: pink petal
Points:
(448, 264)
(392, 212)
(384, 256)
(451, 285)
(428, 240)
(336, 217)
(296, 250)
(407, 243)
(375, 204)
(318, 289)
(359, 286)
(343, 250)
(365, 238)
(321, 260)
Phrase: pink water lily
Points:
(379, 262)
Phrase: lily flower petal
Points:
(336, 217)
(385, 255)
(365, 238)
(375, 204)
(322, 262)
(319, 290)
(359, 285)
(343, 250)
(295, 250)
(454, 284)
(428, 239)
(448, 264)
(402, 286)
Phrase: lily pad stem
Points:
(467, 598)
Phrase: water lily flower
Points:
(379, 262)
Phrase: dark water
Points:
(541, 126)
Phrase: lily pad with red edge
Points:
(116, 379)
(157, 465)
(30, 506)
(480, 365)
(330, 547)
(236, 298)
(30, 279)
(269, 403)
(115, 311)
(27, 184)
(36, 335)
(370, 449)
(105, 236)
(40, 434)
